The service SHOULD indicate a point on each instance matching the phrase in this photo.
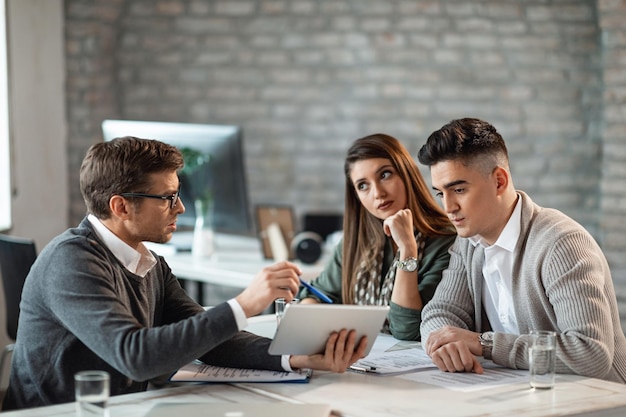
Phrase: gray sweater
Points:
(561, 282)
(81, 309)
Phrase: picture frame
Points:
(283, 216)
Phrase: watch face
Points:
(408, 265)
(487, 337)
(411, 265)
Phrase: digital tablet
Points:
(305, 328)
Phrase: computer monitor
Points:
(226, 170)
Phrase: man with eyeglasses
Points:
(97, 298)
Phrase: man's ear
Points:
(502, 178)
(119, 207)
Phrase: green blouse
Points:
(404, 323)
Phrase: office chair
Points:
(16, 257)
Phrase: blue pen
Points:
(317, 292)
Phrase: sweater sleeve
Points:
(566, 289)
(453, 302)
(142, 326)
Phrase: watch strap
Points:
(403, 264)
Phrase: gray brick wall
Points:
(306, 78)
(612, 187)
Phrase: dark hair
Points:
(363, 234)
(123, 165)
(466, 140)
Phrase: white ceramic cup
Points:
(542, 358)
(91, 389)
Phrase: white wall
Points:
(37, 106)
(38, 123)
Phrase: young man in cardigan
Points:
(514, 267)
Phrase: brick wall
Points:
(611, 17)
(304, 78)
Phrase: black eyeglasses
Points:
(173, 198)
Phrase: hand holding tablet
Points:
(304, 328)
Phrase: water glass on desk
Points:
(542, 358)
(280, 306)
(91, 389)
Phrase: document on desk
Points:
(390, 356)
(493, 376)
(199, 372)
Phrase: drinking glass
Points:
(542, 358)
(280, 306)
(91, 389)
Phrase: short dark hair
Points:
(465, 140)
(123, 165)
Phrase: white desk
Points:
(237, 260)
(363, 395)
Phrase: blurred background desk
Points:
(236, 261)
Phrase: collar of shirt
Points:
(498, 275)
(510, 234)
(138, 262)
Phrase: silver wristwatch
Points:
(486, 341)
(408, 264)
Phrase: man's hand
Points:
(341, 352)
(454, 350)
(275, 281)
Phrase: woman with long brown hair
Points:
(395, 237)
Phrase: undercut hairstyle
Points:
(363, 234)
(123, 165)
(470, 141)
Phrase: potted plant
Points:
(197, 178)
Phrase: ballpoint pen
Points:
(317, 292)
(362, 368)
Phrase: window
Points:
(5, 159)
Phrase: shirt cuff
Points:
(240, 316)
(284, 361)
(242, 323)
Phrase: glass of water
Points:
(91, 389)
(281, 305)
(542, 358)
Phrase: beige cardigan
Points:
(561, 282)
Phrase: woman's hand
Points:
(400, 227)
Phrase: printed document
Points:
(494, 375)
(391, 356)
(199, 372)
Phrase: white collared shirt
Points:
(138, 262)
(498, 274)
